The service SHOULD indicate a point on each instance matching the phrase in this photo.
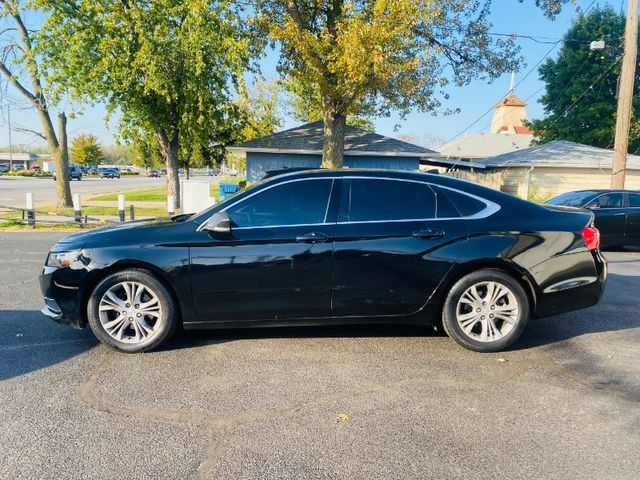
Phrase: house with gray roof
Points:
(484, 145)
(301, 147)
(547, 170)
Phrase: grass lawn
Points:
(15, 226)
(144, 195)
(92, 211)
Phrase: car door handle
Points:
(428, 233)
(619, 214)
(312, 237)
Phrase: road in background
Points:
(319, 403)
(13, 189)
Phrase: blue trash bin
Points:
(227, 189)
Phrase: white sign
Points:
(195, 196)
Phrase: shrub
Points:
(28, 173)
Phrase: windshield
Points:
(572, 199)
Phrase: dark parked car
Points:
(75, 172)
(617, 213)
(153, 174)
(332, 247)
(110, 173)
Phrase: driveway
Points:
(317, 403)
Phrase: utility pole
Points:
(625, 97)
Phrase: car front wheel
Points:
(486, 311)
(131, 311)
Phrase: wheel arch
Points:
(462, 269)
(119, 266)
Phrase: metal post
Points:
(31, 211)
(171, 205)
(121, 207)
(77, 208)
(132, 213)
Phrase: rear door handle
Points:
(428, 233)
(619, 214)
(312, 237)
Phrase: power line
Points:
(598, 80)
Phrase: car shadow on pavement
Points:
(197, 338)
(31, 342)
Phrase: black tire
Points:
(166, 322)
(471, 340)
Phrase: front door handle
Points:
(619, 214)
(428, 233)
(312, 237)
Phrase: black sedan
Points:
(617, 213)
(332, 247)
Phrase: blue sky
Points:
(508, 16)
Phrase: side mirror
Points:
(219, 223)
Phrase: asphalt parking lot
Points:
(338, 402)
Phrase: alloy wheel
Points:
(487, 311)
(130, 312)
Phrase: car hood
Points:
(113, 233)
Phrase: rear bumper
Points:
(574, 293)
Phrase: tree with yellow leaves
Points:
(375, 57)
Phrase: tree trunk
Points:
(170, 153)
(58, 153)
(333, 148)
(62, 165)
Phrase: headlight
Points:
(69, 259)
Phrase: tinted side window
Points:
(452, 204)
(378, 200)
(295, 203)
(634, 200)
(609, 200)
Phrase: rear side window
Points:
(452, 204)
(634, 200)
(366, 200)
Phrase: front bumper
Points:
(63, 296)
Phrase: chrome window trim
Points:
(490, 207)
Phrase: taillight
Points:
(591, 237)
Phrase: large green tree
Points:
(581, 84)
(85, 150)
(168, 67)
(24, 70)
(381, 56)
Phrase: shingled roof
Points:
(308, 139)
(558, 153)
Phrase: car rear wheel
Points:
(131, 311)
(486, 311)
